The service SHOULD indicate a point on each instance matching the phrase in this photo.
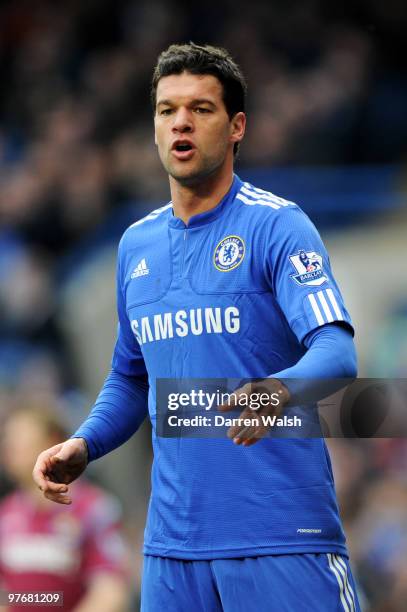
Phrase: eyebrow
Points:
(194, 102)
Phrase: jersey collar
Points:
(209, 215)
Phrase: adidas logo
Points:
(140, 270)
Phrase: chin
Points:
(191, 176)
(187, 177)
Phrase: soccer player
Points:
(216, 284)
(77, 551)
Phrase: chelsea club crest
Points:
(229, 253)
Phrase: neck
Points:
(190, 200)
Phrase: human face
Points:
(193, 132)
(22, 440)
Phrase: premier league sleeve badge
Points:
(309, 267)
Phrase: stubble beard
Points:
(197, 174)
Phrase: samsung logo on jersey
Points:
(184, 322)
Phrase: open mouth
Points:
(183, 147)
(183, 150)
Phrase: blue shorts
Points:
(318, 582)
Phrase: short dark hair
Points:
(204, 59)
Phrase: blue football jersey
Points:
(233, 294)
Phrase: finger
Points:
(242, 433)
(40, 481)
(53, 487)
(71, 451)
(49, 453)
(43, 465)
(58, 459)
(59, 470)
(258, 434)
(229, 405)
(245, 443)
(40, 477)
(58, 453)
(251, 442)
(42, 474)
(58, 498)
(248, 435)
(241, 428)
(234, 398)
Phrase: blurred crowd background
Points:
(327, 127)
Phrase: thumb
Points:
(64, 454)
(57, 459)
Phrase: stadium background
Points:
(327, 127)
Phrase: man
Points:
(212, 285)
(77, 551)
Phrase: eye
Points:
(202, 110)
(165, 111)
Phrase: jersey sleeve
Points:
(300, 273)
(127, 357)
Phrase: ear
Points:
(237, 127)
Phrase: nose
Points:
(182, 121)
